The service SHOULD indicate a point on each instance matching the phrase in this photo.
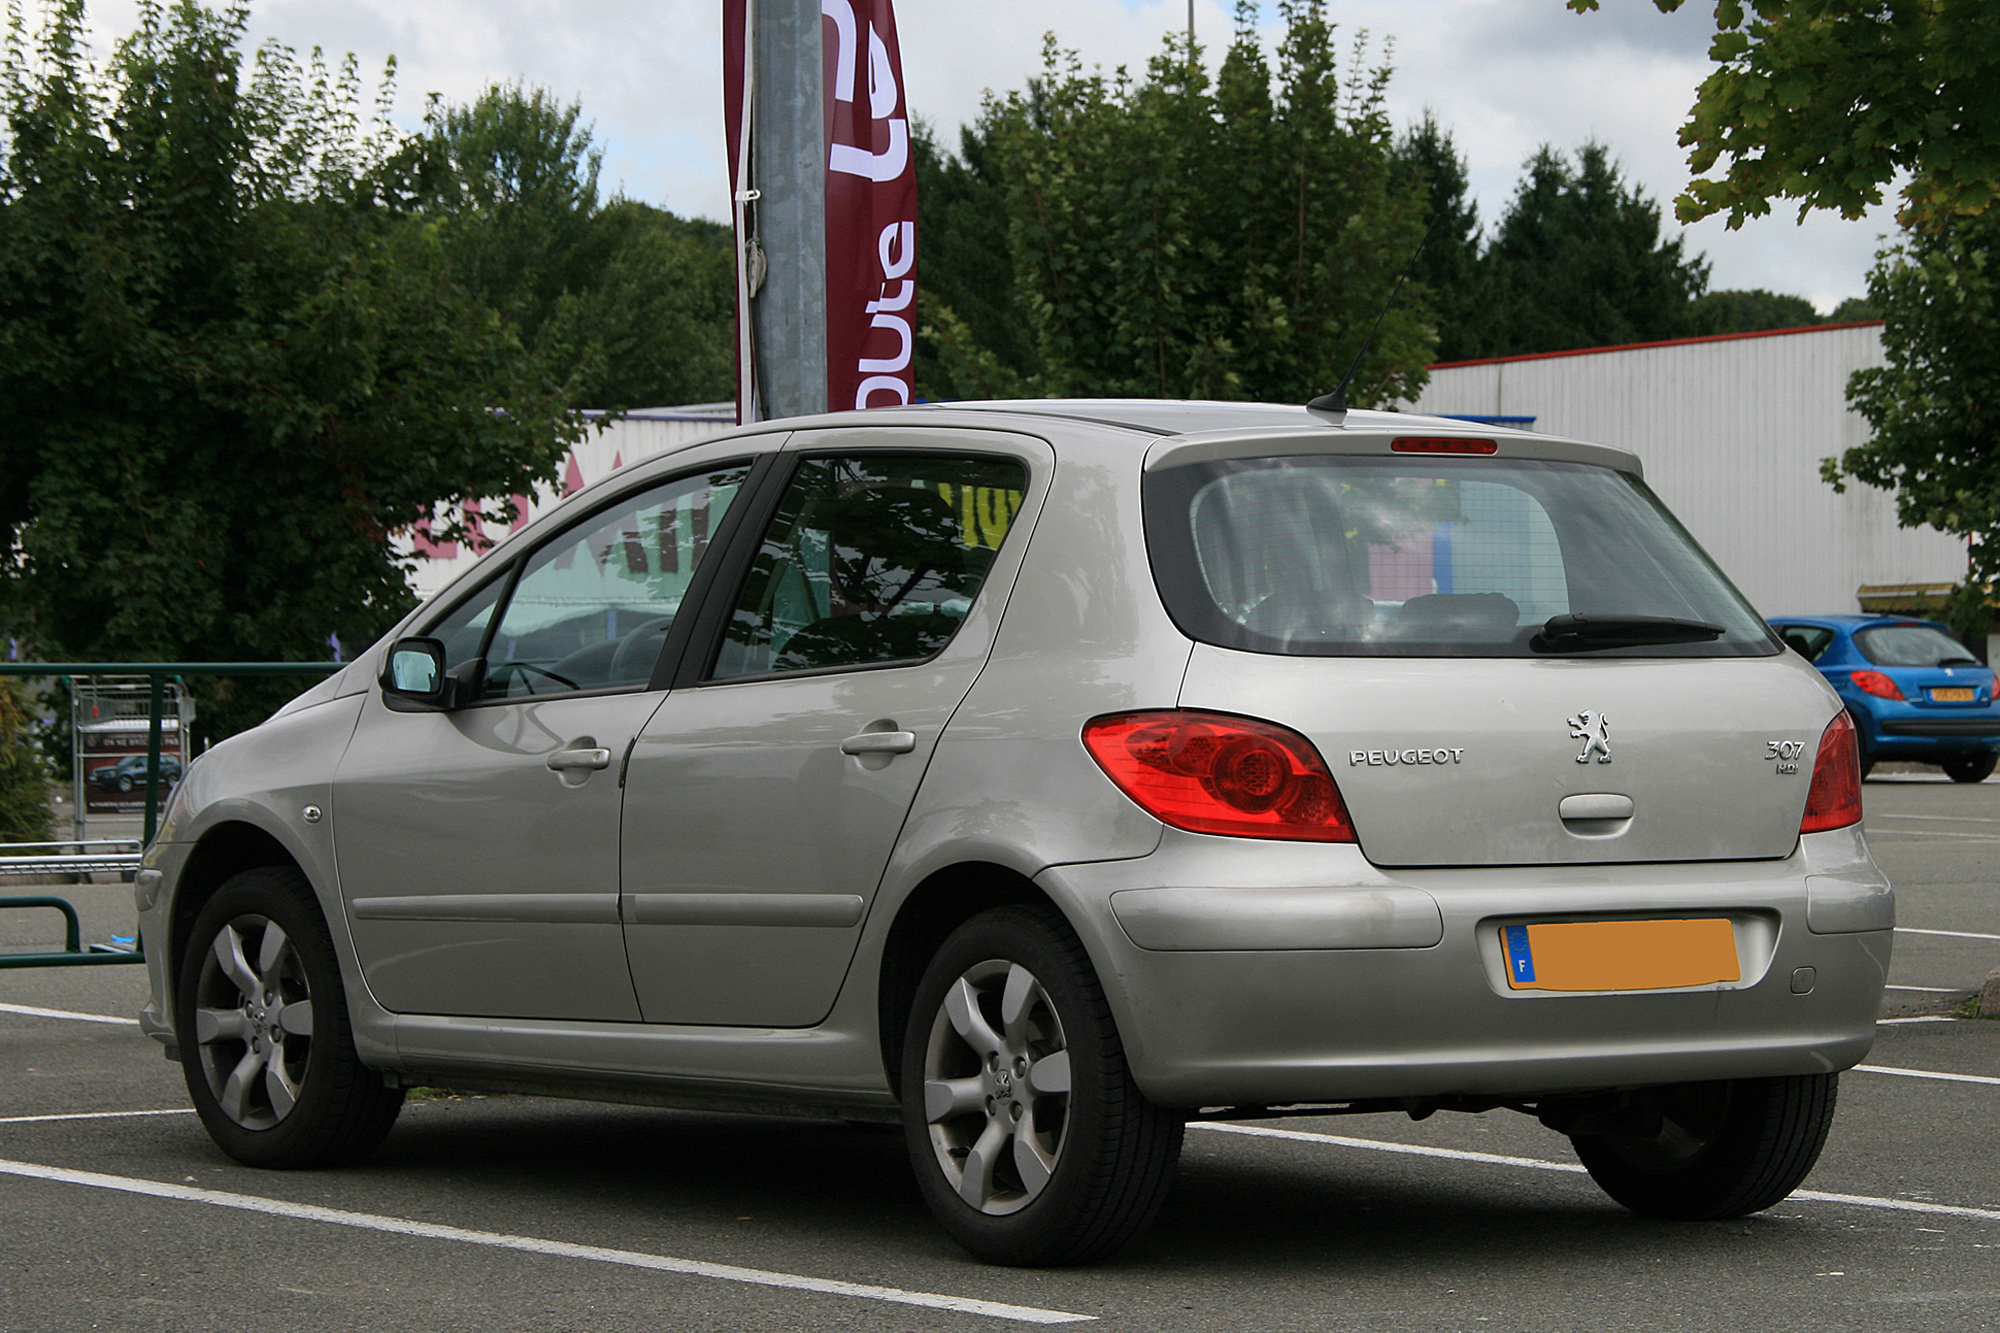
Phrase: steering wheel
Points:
(639, 648)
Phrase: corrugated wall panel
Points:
(1731, 433)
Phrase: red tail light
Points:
(1877, 684)
(1834, 799)
(1213, 773)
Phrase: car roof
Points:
(1171, 431)
(1852, 621)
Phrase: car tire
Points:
(124, 782)
(266, 1046)
(1031, 1143)
(1970, 767)
(1720, 1149)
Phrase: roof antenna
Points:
(1332, 407)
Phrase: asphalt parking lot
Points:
(504, 1213)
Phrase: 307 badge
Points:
(1785, 754)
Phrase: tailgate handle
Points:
(1596, 805)
(880, 742)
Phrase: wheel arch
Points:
(942, 902)
(224, 851)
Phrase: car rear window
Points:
(1911, 646)
(1426, 557)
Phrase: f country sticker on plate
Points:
(1620, 955)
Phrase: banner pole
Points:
(746, 194)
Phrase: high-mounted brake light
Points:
(1877, 684)
(1215, 773)
(1445, 444)
(1834, 799)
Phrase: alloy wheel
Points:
(253, 1021)
(997, 1086)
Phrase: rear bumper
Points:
(1984, 731)
(1272, 1025)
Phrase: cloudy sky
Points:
(1503, 75)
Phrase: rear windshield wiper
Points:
(1594, 632)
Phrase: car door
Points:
(478, 847)
(765, 795)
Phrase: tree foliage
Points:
(636, 302)
(24, 777)
(1751, 311)
(1935, 404)
(1578, 261)
(976, 341)
(1177, 237)
(1828, 101)
(1451, 265)
(233, 357)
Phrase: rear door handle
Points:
(880, 742)
(564, 760)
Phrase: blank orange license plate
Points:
(1620, 955)
(1953, 694)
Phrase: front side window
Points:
(870, 559)
(593, 605)
(1912, 646)
(1415, 557)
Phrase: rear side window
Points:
(869, 560)
(1911, 646)
(1413, 557)
(1808, 641)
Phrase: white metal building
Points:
(1731, 431)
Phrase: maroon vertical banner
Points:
(871, 209)
(736, 18)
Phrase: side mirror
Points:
(415, 671)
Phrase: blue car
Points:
(1914, 691)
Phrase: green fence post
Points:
(158, 683)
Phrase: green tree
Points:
(1182, 238)
(1935, 404)
(655, 324)
(232, 359)
(637, 303)
(970, 313)
(1450, 265)
(1752, 311)
(1578, 261)
(24, 775)
(1827, 101)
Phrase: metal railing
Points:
(101, 856)
(92, 857)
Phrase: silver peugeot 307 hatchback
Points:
(1045, 775)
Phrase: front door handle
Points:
(880, 742)
(564, 760)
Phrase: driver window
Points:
(593, 605)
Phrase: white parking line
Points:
(1947, 819)
(1955, 934)
(1927, 1073)
(32, 1012)
(1931, 990)
(1026, 1314)
(1926, 1018)
(91, 1115)
(1572, 1168)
